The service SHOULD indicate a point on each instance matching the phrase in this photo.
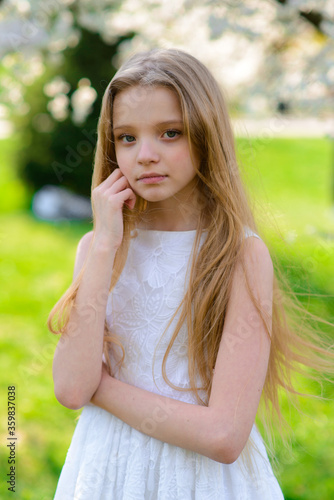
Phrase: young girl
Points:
(174, 326)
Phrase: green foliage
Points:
(62, 152)
(36, 266)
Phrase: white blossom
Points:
(56, 86)
(58, 107)
(257, 49)
(82, 100)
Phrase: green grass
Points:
(36, 268)
(290, 180)
(294, 178)
(14, 194)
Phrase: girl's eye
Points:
(171, 134)
(127, 138)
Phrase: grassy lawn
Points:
(290, 182)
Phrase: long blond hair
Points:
(295, 346)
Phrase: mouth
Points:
(151, 178)
(150, 174)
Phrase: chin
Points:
(152, 197)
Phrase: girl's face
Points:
(152, 150)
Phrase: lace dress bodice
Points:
(142, 303)
(109, 460)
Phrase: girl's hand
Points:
(108, 199)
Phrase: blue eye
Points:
(171, 134)
(127, 137)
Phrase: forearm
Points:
(78, 355)
(186, 425)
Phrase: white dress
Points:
(109, 460)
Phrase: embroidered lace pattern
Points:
(109, 460)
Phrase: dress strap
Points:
(249, 232)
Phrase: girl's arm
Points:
(77, 358)
(77, 361)
(220, 430)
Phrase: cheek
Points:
(183, 158)
(125, 166)
(121, 159)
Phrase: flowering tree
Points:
(55, 89)
(267, 50)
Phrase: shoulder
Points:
(82, 251)
(254, 266)
(85, 241)
(257, 261)
(255, 248)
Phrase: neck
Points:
(171, 216)
(166, 223)
(180, 212)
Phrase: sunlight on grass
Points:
(293, 180)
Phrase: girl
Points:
(174, 325)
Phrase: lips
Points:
(152, 178)
(151, 174)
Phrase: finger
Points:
(119, 185)
(116, 174)
(128, 197)
(130, 203)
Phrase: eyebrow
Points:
(167, 122)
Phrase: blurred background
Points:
(275, 62)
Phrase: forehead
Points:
(149, 103)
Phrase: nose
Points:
(147, 152)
